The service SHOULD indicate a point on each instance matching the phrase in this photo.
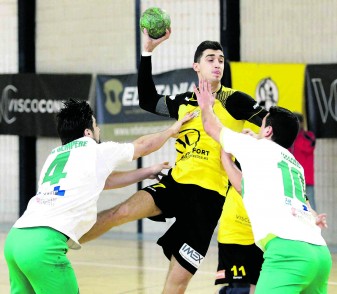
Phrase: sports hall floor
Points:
(125, 263)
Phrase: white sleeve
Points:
(115, 154)
(236, 143)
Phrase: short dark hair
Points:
(213, 45)
(73, 119)
(285, 125)
(299, 116)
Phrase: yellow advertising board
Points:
(271, 84)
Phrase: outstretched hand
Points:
(321, 220)
(157, 170)
(150, 44)
(177, 125)
(204, 94)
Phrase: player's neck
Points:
(216, 87)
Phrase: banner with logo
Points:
(271, 84)
(117, 106)
(321, 94)
(29, 101)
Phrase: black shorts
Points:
(197, 211)
(240, 264)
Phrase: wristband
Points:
(144, 53)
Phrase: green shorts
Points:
(294, 267)
(37, 262)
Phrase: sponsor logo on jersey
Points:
(189, 142)
(48, 201)
(58, 191)
(189, 137)
(159, 185)
(190, 99)
(191, 255)
(243, 219)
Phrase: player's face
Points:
(211, 66)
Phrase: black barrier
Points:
(321, 99)
(29, 101)
(117, 95)
(117, 105)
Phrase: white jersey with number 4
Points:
(272, 189)
(71, 180)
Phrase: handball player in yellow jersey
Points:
(194, 190)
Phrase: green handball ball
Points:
(156, 21)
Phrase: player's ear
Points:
(196, 66)
(268, 131)
(87, 133)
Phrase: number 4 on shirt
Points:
(55, 172)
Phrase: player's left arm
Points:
(233, 172)
(243, 107)
(119, 179)
(147, 144)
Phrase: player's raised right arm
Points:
(147, 93)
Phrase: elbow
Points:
(146, 107)
(145, 104)
(142, 103)
(141, 150)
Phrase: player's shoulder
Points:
(183, 98)
(237, 93)
(227, 90)
(229, 95)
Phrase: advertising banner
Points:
(271, 84)
(117, 106)
(321, 93)
(29, 101)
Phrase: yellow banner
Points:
(271, 84)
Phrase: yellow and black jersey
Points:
(198, 155)
(234, 223)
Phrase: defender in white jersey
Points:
(272, 184)
(65, 205)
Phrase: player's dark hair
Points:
(213, 45)
(299, 116)
(285, 125)
(73, 119)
